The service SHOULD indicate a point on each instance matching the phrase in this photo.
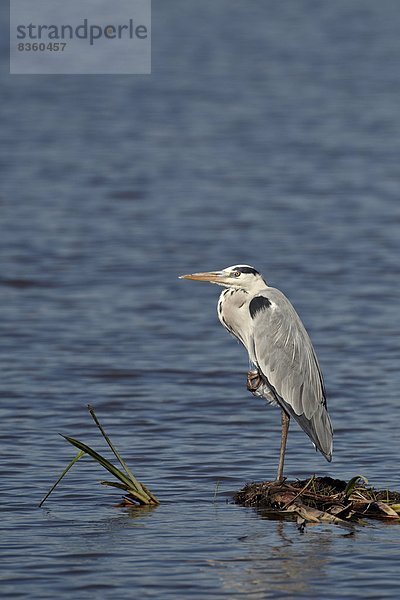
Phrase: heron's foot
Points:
(253, 380)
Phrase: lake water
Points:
(267, 135)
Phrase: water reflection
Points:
(279, 563)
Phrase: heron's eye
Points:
(237, 273)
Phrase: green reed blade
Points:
(100, 459)
(73, 461)
(113, 449)
(352, 484)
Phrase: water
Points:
(267, 135)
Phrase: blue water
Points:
(267, 134)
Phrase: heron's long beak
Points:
(212, 276)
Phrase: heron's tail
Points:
(319, 430)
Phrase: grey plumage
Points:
(278, 345)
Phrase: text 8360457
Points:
(41, 47)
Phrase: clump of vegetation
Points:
(135, 492)
(322, 499)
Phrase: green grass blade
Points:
(352, 484)
(142, 495)
(216, 490)
(141, 488)
(73, 461)
(113, 449)
(103, 461)
(121, 486)
(139, 497)
(148, 492)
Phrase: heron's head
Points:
(241, 277)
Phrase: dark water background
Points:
(268, 134)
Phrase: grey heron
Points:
(286, 370)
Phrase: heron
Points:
(285, 369)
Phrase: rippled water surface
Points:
(267, 135)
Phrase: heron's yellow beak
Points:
(212, 276)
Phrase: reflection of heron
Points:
(270, 562)
(287, 371)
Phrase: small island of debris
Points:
(321, 499)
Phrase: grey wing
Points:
(283, 353)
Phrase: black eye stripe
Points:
(247, 270)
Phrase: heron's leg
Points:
(253, 380)
(285, 429)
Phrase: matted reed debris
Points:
(137, 494)
(321, 499)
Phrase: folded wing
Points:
(283, 353)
